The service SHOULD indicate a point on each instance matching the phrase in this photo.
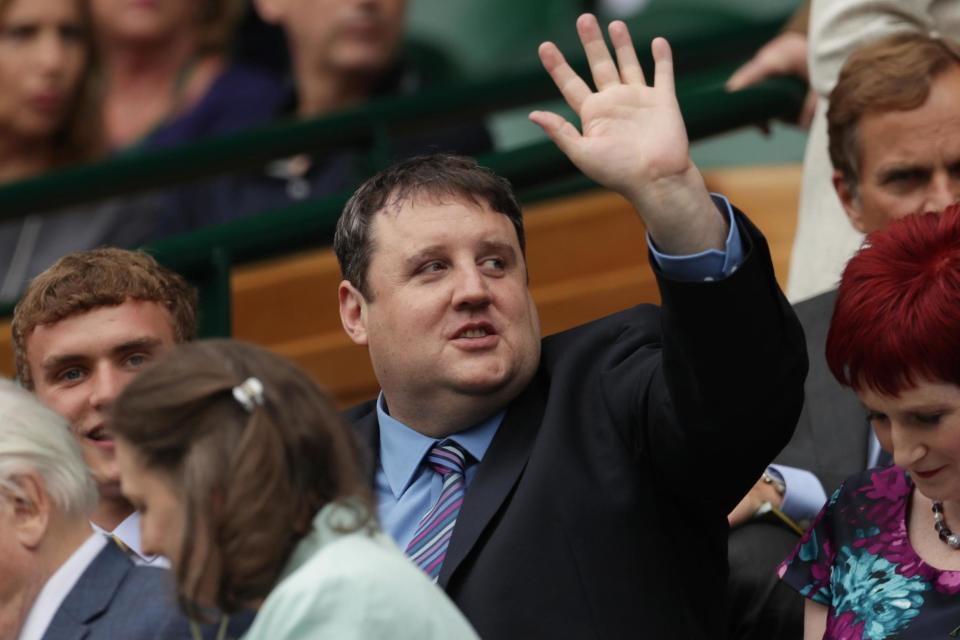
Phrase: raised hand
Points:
(633, 139)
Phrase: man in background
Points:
(83, 329)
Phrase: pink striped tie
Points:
(429, 545)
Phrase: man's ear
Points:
(271, 11)
(849, 200)
(353, 312)
(31, 510)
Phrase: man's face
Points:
(910, 160)
(23, 574)
(81, 363)
(342, 36)
(451, 322)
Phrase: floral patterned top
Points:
(857, 560)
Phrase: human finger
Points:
(662, 65)
(602, 67)
(572, 87)
(630, 70)
(559, 130)
(752, 72)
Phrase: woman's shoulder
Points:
(880, 484)
(357, 582)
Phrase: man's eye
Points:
(73, 374)
(875, 416)
(137, 359)
(908, 177)
(495, 263)
(433, 267)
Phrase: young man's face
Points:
(80, 364)
(910, 160)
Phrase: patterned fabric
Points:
(429, 545)
(857, 560)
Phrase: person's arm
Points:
(814, 620)
(729, 387)
(803, 495)
(785, 55)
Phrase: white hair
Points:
(35, 439)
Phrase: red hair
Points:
(897, 316)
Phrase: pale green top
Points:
(354, 585)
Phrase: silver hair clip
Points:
(249, 394)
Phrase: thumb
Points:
(560, 131)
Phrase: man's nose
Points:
(107, 384)
(942, 192)
(472, 288)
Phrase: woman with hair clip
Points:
(882, 559)
(249, 482)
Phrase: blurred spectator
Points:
(60, 578)
(45, 102)
(343, 54)
(824, 240)
(167, 77)
(48, 119)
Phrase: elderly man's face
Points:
(22, 576)
(909, 160)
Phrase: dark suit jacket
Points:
(115, 599)
(832, 433)
(599, 510)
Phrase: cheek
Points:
(69, 403)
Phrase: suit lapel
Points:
(90, 596)
(367, 430)
(497, 475)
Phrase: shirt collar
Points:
(128, 532)
(402, 449)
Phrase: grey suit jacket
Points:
(116, 599)
(832, 433)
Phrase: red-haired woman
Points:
(882, 559)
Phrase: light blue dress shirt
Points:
(406, 490)
(805, 496)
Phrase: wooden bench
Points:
(586, 258)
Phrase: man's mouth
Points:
(474, 333)
(99, 434)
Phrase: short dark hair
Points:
(894, 73)
(85, 280)
(437, 176)
(897, 315)
(250, 479)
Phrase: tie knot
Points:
(447, 457)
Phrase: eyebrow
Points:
(144, 343)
